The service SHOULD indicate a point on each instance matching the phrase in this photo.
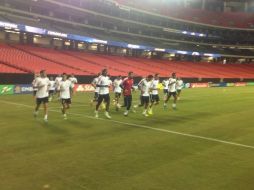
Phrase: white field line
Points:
(147, 127)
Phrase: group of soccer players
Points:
(149, 88)
(45, 88)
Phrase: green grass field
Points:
(206, 144)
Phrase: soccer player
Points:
(35, 89)
(155, 99)
(141, 103)
(103, 84)
(58, 79)
(65, 89)
(117, 90)
(42, 84)
(127, 86)
(172, 91)
(179, 87)
(165, 83)
(73, 79)
(96, 91)
(51, 88)
(145, 86)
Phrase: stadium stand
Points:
(226, 19)
(24, 58)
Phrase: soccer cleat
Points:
(174, 106)
(150, 112)
(145, 114)
(96, 114)
(135, 106)
(126, 113)
(107, 115)
(65, 116)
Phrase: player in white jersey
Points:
(141, 103)
(33, 83)
(155, 99)
(172, 91)
(145, 87)
(165, 87)
(65, 92)
(52, 88)
(73, 79)
(179, 87)
(42, 84)
(96, 88)
(58, 79)
(117, 90)
(103, 83)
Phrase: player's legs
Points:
(107, 101)
(45, 106)
(179, 94)
(117, 98)
(146, 104)
(175, 99)
(38, 104)
(99, 101)
(167, 99)
(128, 100)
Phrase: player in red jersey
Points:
(127, 86)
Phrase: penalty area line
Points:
(148, 127)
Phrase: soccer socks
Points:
(46, 118)
(96, 114)
(174, 106)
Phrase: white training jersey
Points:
(58, 80)
(73, 80)
(145, 87)
(65, 89)
(154, 87)
(117, 87)
(165, 84)
(172, 85)
(179, 84)
(52, 85)
(105, 82)
(43, 87)
(95, 82)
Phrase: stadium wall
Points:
(6, 78)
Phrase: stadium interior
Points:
(213, 32)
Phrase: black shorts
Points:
(165, 91)
(51, 92)
(145, 99)
(42, 100)
(155, 98)
(66, 101)
(117, 94)
(96, 95)
(172, 94)
(104, 97)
